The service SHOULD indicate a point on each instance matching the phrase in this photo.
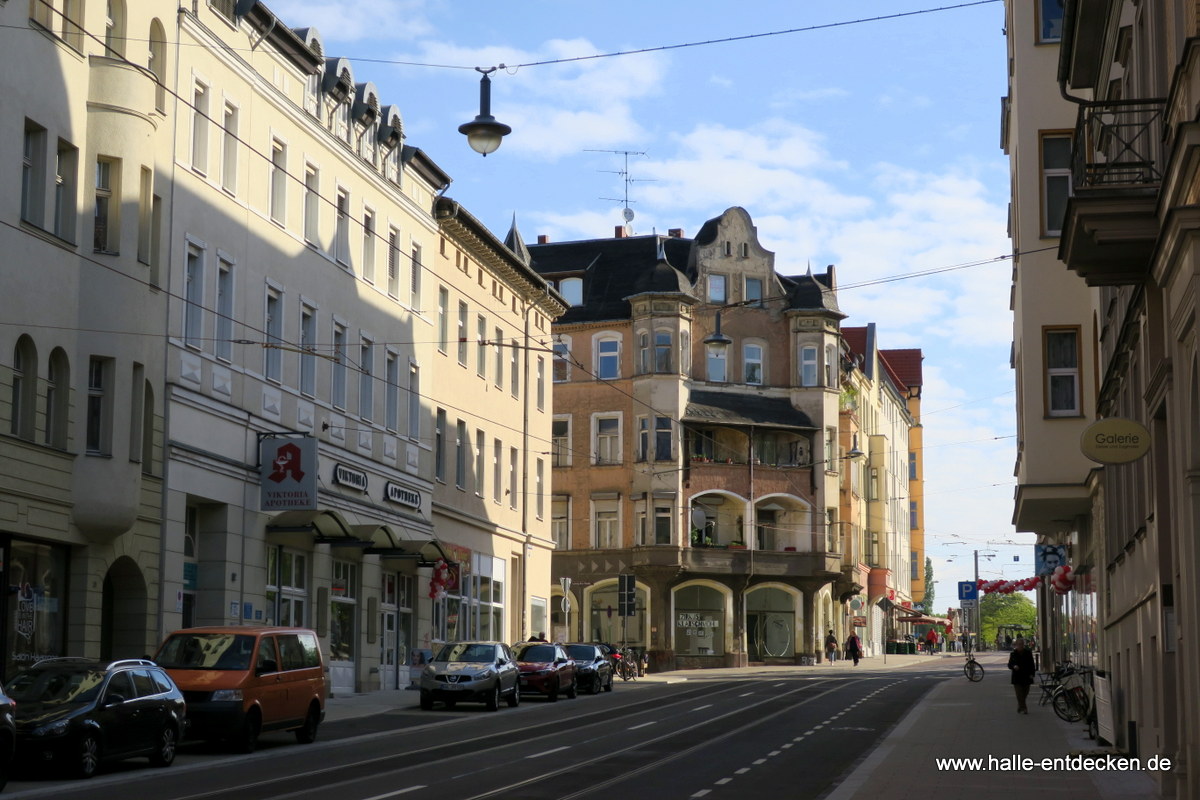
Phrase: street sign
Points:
(968, 590)
(970, 605)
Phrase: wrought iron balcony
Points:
(1118, 160)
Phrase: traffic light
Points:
(626, 595)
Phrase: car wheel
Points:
(608, 686)
(514, 699)
(493, 698)
(88, 755)
(553, 695)
(247, 738)
(451, 703)
(573, 689)
(426, 701)
(164, 752)
(307, 733)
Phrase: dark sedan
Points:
(546, 669)
(593, 667)
(75, 713)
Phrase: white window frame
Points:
(749, 359)
(1055, 374)
(606, 447)
(809, 371)
(1053, 176)
(614, 357)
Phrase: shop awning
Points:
(325, 526)
(924, 620)
(402, 545)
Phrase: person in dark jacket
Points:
(853, 648)
(1020, 664)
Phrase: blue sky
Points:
(872, 146)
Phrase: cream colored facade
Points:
(280, 254)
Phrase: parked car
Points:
(593, 666)
(470, 672)
(75, 713)
(546, 669)
(240, 681)
(8, 735)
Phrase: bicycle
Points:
(972, 669)
(1072, 701)
(626, 663)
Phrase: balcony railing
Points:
(1118, 144)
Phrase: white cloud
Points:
(356, 20)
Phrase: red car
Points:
(546, 669)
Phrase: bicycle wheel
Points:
(973, 671)
(1066, 707)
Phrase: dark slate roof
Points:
(612, 270)
(728, 408)
(812, 292)
(516, 244)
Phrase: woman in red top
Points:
(930, 641)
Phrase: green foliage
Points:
(997, 609)
(927, 600)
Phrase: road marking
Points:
(741, 771)
(701, 708)
(779, 684)
(724, 781)
(789, 744)
(548, 752)
(747, 694)
(644, 724)
(758, 762)
(398, 791)
(816, 728)
(774, 753)
(702, 792)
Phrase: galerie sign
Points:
(288, 475)
(1115, 441)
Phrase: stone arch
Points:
(124, 611)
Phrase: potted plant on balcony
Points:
(737, 544)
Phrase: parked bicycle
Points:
(1072, 700)
(626, 663)
(972, 669)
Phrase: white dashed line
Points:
(644, 724)
(702, 792)
(741, 771)
(398, 791)
(723, 781)
(747, 694)
(774, 753)
(701, 708)
(548, 752)
(758, 762)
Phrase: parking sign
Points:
(967, 590)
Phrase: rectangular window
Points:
(1050, 21)
(338, 391)
(663, 448)
(562, 362)
(912, 466)
(662, 351)
(308, 353)
(808, 366)
(608, 356)
(223, 346)
(481, 353)
(312, 204)
(366, 379)
(560, 443)
(716, 289)
(830, 449)
(539, 497)
(608, 535)
(497, 469)
(643, 439)
(279, 182)
(480, 476)
(560, 523)
(273, 324)
(463, 313)
(443, 312)
(414, 402)
(717, 364)
(912, 515)
(608, 440)
(65, 180)
(414, 298)
(145, 240)
(107, 237)
(392, 375)
(662, 524)
(200, 128)
(1062, 373)
(460, 454)
(752, 364)
(514, 368)
(341, 244)
(193, 311)
(229, 149)
(754, 292)
(1056, 182)
(33, 173)
(514, 464)
(368, 249)
(541, 383)
(99, 412)
(439, 446)
(393, 264)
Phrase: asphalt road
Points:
(715, 737)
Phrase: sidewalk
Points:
(960, 719)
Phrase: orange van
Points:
(240, 681)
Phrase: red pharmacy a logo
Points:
(287, 463)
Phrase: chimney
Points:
(543, 239)
(675, 233)
(619, 232)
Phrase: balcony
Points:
(1111, 227)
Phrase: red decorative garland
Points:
(440, 580)
(1062, 581)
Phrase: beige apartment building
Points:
(1117, 82)
(697, 447)
(263, 420)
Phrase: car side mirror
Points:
(113, 699)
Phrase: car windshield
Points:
(57, 685)
(226, 651)
(584, 652)
(467, 651)
(536, 652)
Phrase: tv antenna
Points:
(626, 212)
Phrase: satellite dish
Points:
(698, 518)
(627, 214)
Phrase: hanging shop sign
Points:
(347, 476)
(288, 474)
(1115, 441)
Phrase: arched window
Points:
(572, 290)
(58, 395)
(158, 64)
(770, 624)
(699, 621)
(24, 388)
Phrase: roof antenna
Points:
(626, 212)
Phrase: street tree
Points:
(927, 600)
(996, 609)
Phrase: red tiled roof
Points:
(856, 340)
(904, 364)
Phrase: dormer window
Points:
(716, 289)
(572, 290)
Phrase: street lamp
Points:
(484, 133)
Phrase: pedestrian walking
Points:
(931, 641)
(853, 648)
(1020, 664)
(831, 646)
